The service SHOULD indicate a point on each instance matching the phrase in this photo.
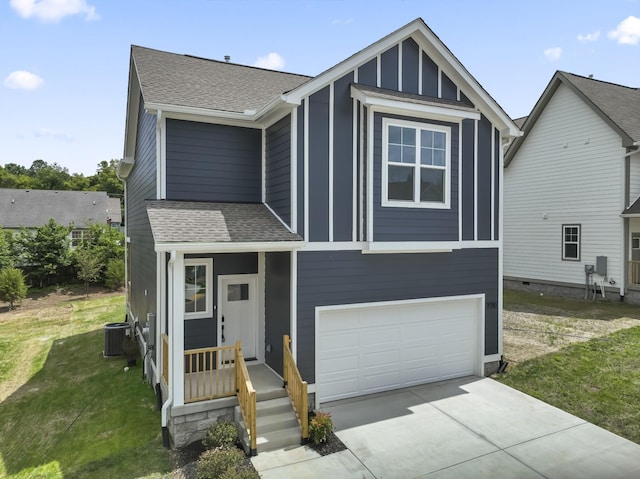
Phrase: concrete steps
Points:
(276, 424)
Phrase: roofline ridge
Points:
(598, 80)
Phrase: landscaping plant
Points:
(12, 287)
(213, 463)
(223, 433)
(320, 426)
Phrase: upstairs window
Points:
(571, 242)
(198, 288)
(416, 164)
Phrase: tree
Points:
(46, 251)
(6, 254)
(114, 274)
(49, 177)
(106, 179)
(88, 267)
(12, 287)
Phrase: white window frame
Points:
(415, 203)
(208, 264)
(565, 242)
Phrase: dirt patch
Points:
(539, 331)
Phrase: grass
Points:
(597, 380)
(66, 411)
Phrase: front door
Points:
(238, 312)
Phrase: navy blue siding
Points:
(496, 180)
(202, 333)
(414, 224)
(429, 76)
(388, 277)
(410, 65)
(389, 69)
(449, 90)
(484, 179)
(300, 172)
(319, 165)
(278, 168)
(208, 162)
(468, 184)
(277, 305)
(465, 99)
(368, 73)
(141, 186)
(343, 159)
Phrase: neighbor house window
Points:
(571, 242)
(78, 237)
(198, 288)
(416, 166)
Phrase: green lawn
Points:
(66, 411)
(598, 380)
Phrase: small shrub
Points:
(114, 274)
(320, 426)
(12, 287)
(222, 433)
(213, 463)
(241, 472)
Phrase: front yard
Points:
(579, 356)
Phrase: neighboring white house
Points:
(571, 193)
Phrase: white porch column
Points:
(176, 339)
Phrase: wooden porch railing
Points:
(634, 272)
(246, 398)
(165, 359)
(296, 387)
(209, 373)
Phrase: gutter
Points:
(169, 401)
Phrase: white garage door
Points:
(367, 349)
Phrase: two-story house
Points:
(572, 192)
(357, 211)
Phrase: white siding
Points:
(634, 179)
(571, 169)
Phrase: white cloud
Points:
(23, 80)
(49, 133)
(552, 54)
(53, 10)
(342, 21)
(627, 32)
(272, 61)
(589, 37)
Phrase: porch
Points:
(218, 381)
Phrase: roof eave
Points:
(228, 246)
(131, 121)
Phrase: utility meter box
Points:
(588, 268)
(601, 265)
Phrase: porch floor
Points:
(268, 384)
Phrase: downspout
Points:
(169, 401)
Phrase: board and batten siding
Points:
(390, 277)
(207, 162)
(331, 146)
(277, 307)
(141, 186)
(570, 169)
(278, 168)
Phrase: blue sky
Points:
(64, 63)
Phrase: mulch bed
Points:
(331, 445)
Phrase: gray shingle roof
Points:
(192, 222)
(621, 104)
(633, 210)
(183, 80)
(34, 208)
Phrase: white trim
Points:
(475, 180)
(489, 358)
(501, 246)
(294, 170)
(439, 81)
(263, 164)
(417, 166)
(176, 336)
(361, 160)
(252, 277)
(208, 263)
(354, 173)
(260, 295)
(457, 93)
(379, 70)
(229, 247)
(399, 246)
(400, 66)
(306, 168)
(335, 246)
(493, 183)
(161, 308)
(266, 205)
(370, 186)
(158, 164)
(480, 324)
(460, 182)
(420, 54)
(163, 158)
(293, 327)
(330, 159)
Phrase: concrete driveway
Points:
(469, 427)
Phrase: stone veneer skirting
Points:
(189, 423)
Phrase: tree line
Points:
(45, 256)
(43, 176)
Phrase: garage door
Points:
(372, 348)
